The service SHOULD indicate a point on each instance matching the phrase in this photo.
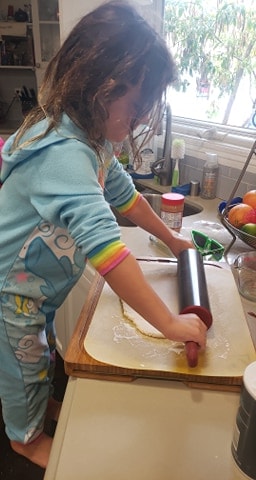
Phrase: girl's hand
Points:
(143, 216)
(128, 282)
(187, 327)
(178, 243)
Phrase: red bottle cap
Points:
(172, 198)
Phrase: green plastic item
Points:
(207, 246)
(175, 175)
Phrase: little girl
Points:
(60, 177)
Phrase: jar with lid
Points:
(172, 206)
(244, 435)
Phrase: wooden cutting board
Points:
(105, 345)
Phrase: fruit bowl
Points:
(236, 232)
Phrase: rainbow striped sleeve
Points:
(108, 255)
(127, 206)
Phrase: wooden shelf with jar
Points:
(16, 46)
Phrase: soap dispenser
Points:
(210, 176)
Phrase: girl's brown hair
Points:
(108, 50)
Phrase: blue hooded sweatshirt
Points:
(55, 214)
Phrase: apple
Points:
(241, 214)
(249, 228)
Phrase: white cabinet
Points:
(67, 315)
(25, 50)
(17, 65)
(71, 12)
(46, 33)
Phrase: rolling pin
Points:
(193, 295)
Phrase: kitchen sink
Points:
(191, 209)
(155, 201)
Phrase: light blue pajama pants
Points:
(27, 359)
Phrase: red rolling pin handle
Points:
(193, 295)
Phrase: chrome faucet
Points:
(162, 168)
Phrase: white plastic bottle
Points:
(210, 176)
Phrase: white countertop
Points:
(148, 429)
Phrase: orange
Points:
(250, 198)
(241, 214)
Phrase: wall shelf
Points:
(17, 67)
(48, 22)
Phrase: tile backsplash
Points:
(191, 168)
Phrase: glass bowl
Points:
(245, 264)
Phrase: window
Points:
(231, 142)
(214, 44)
(213, 108)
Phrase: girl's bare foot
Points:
(53, 409)
(37, 451)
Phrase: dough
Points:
(139, 322)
